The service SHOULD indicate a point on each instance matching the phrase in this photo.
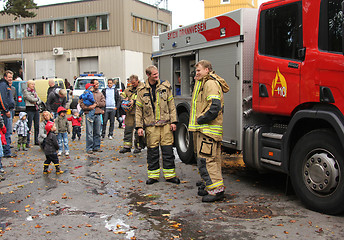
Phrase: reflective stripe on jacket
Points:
(164, 109)
(209, 88)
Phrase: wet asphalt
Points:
(104, 196)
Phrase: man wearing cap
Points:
(93, 129)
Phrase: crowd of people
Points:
(150, 118)
(51, 132)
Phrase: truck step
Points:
(273, 135)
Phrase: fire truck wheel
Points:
(184, 140)
(317, 171)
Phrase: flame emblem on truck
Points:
(279, 85)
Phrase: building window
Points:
(80, 24)
(2, 33)
(150, 27)
(225, 1)
(49, 30)
(92, 23)
(10, 32)
(39, 29)
(70, 25)
(60, 27)
(104, 22)
(330, 26)
(156, 26)
(20, 31)
(281, 35)
(29, 30)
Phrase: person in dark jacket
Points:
(113, 103)
(50, 148)
(55, 100)
(52, 86)
(6, 106)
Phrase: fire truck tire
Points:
(184, 140)
(317, 171)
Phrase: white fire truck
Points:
(284, 110)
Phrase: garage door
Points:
(88, 65)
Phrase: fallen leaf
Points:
(38, 226)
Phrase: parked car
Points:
(20, 103)
(80, 83)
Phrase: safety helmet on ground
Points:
(126, 105)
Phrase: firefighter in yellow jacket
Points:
(206, 122)
(130, 94)
(156, 113)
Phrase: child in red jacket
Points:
(76, 124)
(3, 130)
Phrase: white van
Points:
(80, 83)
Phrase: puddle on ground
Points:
(160, 220)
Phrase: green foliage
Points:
(19, 8)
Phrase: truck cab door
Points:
(278, 58)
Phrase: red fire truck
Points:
(284, 111)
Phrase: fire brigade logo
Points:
(279, 85)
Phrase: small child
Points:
(50, 147)
(62, 130)
(88, 99)
(22, 130)
(76, 124)
(3, 142)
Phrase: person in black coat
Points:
(50, 148)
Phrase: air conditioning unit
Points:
(57, 51)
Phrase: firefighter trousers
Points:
(128, 134)
(160, 136)
(208, 152)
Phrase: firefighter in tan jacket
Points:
(156, 113)
(206, 122)
(130, 94)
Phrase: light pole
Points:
(21, 47)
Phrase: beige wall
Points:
(214, 7)
(108, 45)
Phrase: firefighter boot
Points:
(151, 181)
(125, 150)
(201, 189)
(58, 170)
(45, 169)
(173, 180)
(212, 198)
